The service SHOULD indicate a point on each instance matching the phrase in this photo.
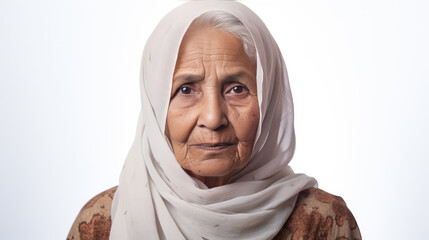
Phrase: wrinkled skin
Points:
(213, 114)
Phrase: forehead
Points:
(207, 44)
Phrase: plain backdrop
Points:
(69, 102)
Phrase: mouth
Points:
(212, 146)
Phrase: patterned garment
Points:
(317, 215)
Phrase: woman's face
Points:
(213, 114)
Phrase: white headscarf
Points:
(157, 199)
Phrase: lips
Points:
(212, 146)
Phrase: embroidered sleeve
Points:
(320, 215)
(94, 221)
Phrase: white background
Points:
(69, 101)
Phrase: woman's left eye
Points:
(237, 89)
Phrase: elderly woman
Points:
(214, 140)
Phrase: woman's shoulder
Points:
(320, 215)
(94, 220)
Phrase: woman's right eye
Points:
(185, 90)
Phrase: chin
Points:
(214, 168)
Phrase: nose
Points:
(212, 113)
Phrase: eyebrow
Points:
(187, 78)
(192, 78)
(234, 77)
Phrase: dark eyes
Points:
(230, 89)
(238, 89)
(185, 90)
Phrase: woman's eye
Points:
(185, 90)
(238, 89)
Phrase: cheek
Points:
(245, 120)
(179, 125)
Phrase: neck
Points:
(211, 182)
